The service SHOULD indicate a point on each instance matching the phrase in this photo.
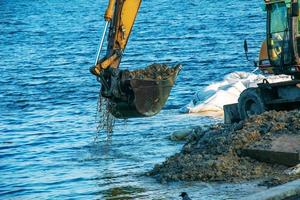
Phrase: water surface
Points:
(48, 97)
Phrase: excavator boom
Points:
(121, 14)
(120, 29)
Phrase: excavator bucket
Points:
(143, 94)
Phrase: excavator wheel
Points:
(250, 103)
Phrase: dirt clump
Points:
(214, 153)
(154, 71)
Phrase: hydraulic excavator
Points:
(279, 54)
(128, 96)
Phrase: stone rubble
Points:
(214, 153)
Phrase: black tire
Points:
(250, 103)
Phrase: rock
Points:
(181, 135)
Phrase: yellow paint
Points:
(128, 15)
(105, 63)
(123, 16)
(263, 54)
(110, 10)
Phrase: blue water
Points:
(48, 98)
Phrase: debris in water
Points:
(105, 120)
(184, 196)
(214, 153)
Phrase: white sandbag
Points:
(212, 98)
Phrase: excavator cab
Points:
(280, 52)
(138, 93)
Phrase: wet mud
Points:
(154, 71)
(214, 153)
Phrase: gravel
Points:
(153, 72)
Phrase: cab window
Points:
(279, 34)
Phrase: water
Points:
(48, 98)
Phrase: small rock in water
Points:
(181, 135)
(185, 196)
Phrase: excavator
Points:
(129, 94)
(132, 96)
(279, 54)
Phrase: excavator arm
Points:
(139, 93)
(121, 14)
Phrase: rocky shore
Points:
(214, 153)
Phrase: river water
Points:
(48, 98)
